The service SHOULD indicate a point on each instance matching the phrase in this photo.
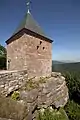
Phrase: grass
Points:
(15, 95)
(31, 84)
(51, 114)
(73, 110)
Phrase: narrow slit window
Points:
(43, 48)
(37, 47)
(40, 42)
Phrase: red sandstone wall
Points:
(27, 52)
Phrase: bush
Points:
(2, 57)
(15, 95)
(73, 110)
(52, 115)
(73, 84)
(2, 63)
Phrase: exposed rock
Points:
(5, 119)
(35, 93)
(12, 110)
(55, 74)
(30, 96)
(50, 91)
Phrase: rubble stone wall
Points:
(12, 80)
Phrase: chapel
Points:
(29, 48)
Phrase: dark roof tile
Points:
(30, 24)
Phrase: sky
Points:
(60, 20)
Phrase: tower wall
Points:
(31, 53)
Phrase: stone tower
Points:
(29, 48)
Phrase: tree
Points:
(2, 51)
(3, 54)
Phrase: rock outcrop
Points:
(35, 93)
(45, 92)
(5, 119)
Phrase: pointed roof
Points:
(30, 24)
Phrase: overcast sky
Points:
(60, 20)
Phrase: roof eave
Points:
(28, 31)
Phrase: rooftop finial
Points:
(28, 6)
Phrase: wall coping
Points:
(9, 71)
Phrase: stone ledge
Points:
(13, 71)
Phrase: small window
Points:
(40, 42)
(9, 60)
(43, 48)
(37, 47)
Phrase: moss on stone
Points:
(42, 80)
(15, 95)
(32, 84)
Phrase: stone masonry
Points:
(11, 81)
(30, 53)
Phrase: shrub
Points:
(2, 62)
(15, 95)
(52, 115)
(73, 110)
(73, 84)
(2, 57)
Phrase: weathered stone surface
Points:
(44, 92)
(52, 91)
(12, 80)
(36, 93)
(5, 119)
(55, 74)
(22, 53)
(30, 96)
(12, 110)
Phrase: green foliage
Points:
(15, 95)
(52, 115)
(63, 67)
(2, 57)
(2, 51)
(32, 84)
(71, 71)
(73, 110)
(43, 79)
(73, 83)
(2, 62)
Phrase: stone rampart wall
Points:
(12, 80)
